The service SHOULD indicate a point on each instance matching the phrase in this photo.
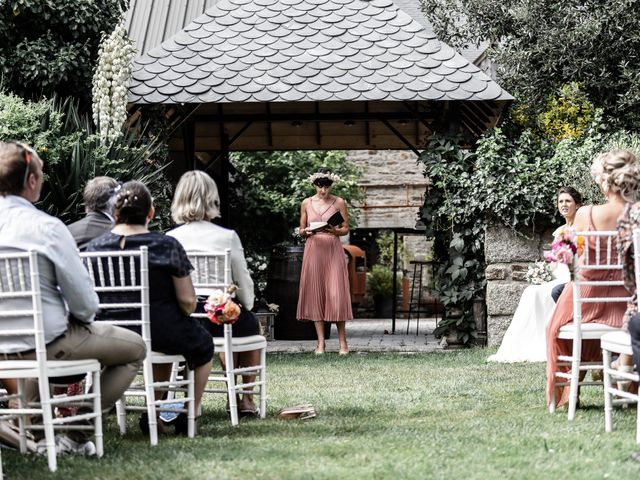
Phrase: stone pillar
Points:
(508, 256)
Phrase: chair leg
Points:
(263, 383)
(47, 420)
(21, 419)
(638, 417)
(606, 377)
(573, 387)
(231, 389)
(191, 407)
(147, 373)
(552, 403)
(97, 408)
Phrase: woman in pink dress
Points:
(616, 173)
(324, 282)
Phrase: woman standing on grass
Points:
(324, 283)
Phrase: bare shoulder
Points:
(340, 202)
(306, 201)
(581, 222)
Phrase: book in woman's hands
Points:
(333, 221)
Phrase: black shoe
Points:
(143, 423)
(182, 424)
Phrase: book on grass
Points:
(333, 221)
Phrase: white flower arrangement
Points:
(111, 82)
(539, 273)
(257, 265)
(331, 176)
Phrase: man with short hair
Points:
(99, 208)
(69, 301)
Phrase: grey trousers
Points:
(120, 351)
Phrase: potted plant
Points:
(380, 283)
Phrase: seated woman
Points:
(195, 204)
(524, 340)
(616, 173)
(629, 221)
(171, 294)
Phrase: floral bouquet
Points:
(565, 246)
(220, 307)
(539, 273)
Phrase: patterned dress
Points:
(324, 282)
(629, 220)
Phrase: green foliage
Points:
(568, 115)
(380, 282)
(454, 218)
(268, 188)
(540, 46)
(385, 250)
(51, 46)
(73, 154)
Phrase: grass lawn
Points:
(439, 415)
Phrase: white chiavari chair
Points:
(212, 270)
(121, 279)
(577, 331)
(620, 343)
(20, 299)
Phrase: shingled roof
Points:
(307, 51)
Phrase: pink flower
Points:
(565, 254)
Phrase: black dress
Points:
(172, 332)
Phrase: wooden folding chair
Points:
(20, 299)
(121, 279)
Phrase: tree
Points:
(50, 47)
(541, 45)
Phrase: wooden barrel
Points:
(283, 283)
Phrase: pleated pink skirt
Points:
(324, 282)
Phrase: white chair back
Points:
(604, 256)
(600, 254)
(20, 287)
(122, 275)
(21, 323)
(121, 279)
(212, 270)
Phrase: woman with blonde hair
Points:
(195, 204)
(616, 173)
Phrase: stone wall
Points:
(394, 187)
(508, 256)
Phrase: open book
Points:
(333, 221)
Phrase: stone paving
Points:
(371, 335)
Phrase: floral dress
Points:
(629, 220)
